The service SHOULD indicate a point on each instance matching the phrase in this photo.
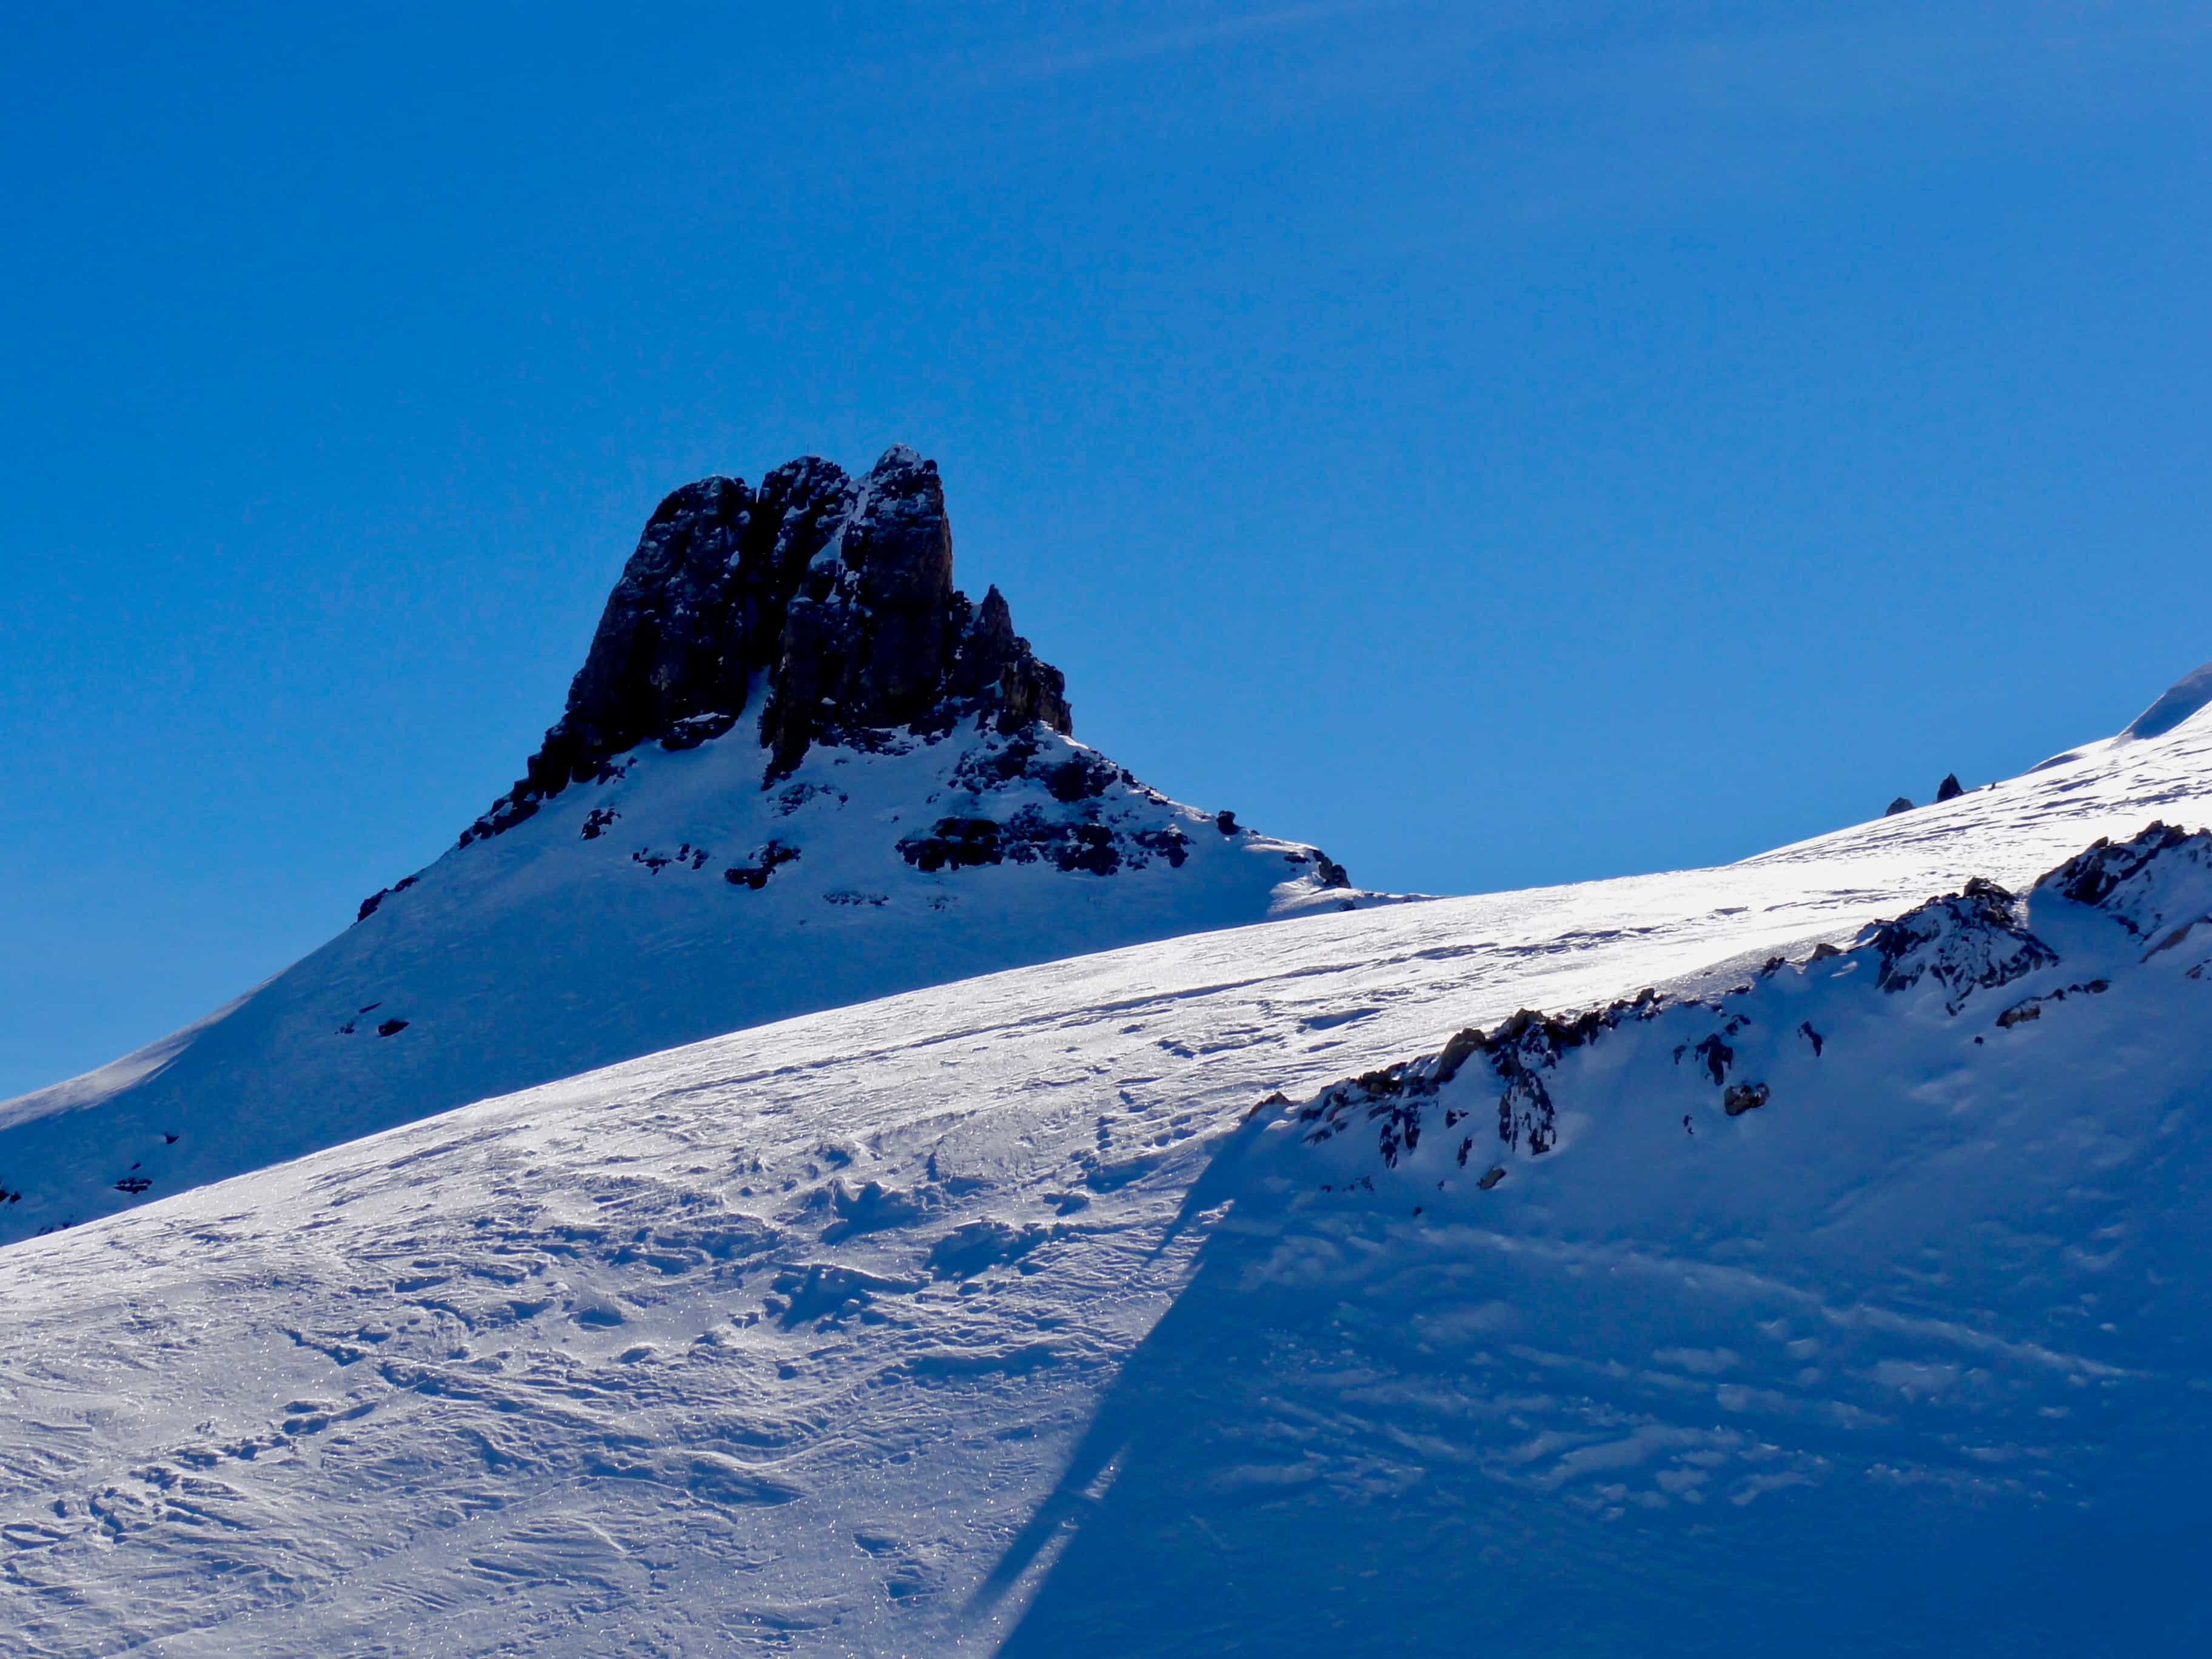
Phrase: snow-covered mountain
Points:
(798, 770)
(1838, 1286)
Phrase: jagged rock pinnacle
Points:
(835, 597)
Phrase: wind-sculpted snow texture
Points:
(1033, 1315)
(909, 808)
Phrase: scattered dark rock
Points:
(2021, 1012)
(1490, 1178)
(1949, 789)
(1902, 804)
(1169, 843)
(1968, 941)
(1717, 1057)
(954, 843)
(1082, 776)
(1399, 1098)
(691, 731)
(597, 820)
(1743, 1098)
(993, 766)
(1028, 837)
(133, 1185)
(2116, 878)
(766, 862)
(369, 905)
(1225, 822)
(1964, 942)
(391, 1027)
(1457, 1053)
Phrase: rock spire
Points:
(832, 598)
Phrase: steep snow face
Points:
(1023, 1316)
(675, 900)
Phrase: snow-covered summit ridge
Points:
(909, 808)
(2185, 699)
(2180, 705)
(2091, 924)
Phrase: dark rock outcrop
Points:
(1966, 941)
(368, 906)
(1902, 804)
(835, 597)
(1743, 1098)
(1961, 943)
(2119, 878)
(1949, 789)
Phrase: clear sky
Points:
(1504, 444)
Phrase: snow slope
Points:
(993, 1317)
(678, 899)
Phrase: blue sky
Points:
(1503, 444)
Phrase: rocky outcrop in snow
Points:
(835, 595)
(1950, 951)
(797, 769)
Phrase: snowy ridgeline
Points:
(1004, 1317)
(672, 900)
(2128, 915)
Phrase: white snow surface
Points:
(994, 1318)
(2181, 702)
(605, 927)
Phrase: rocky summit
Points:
(798, 770)
(831, 598)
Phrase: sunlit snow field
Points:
(991, 1317)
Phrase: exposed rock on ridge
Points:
(1954, 949)
(835, 597)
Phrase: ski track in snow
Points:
(978, 1319)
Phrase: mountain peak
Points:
(2181, 702)
(833, 597)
